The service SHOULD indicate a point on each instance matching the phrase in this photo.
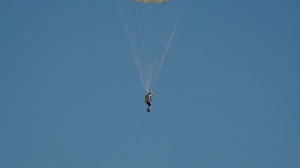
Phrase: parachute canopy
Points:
(155, 1)
(150, 26)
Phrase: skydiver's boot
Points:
(148, 109)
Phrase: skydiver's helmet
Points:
(148, 93)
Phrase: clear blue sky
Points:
(228, 94)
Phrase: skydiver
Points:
(148, 100)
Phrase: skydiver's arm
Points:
(151, 93)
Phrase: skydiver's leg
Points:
(149, 106)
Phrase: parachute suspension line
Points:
(148, 67)
(144, 21)
(144, 70)
(148, 70)
(136, 55)
(162, 13)
(166, 33)
(149, 75)
(153, 68)
(168, 45)
(151, 71)
(143, 39)
(140, 36)
(128, 34)
(142, 30)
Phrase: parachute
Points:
(155, 1)
(150, 26)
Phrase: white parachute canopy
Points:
(155, 1)
(150, 26)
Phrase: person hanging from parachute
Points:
(148, 100)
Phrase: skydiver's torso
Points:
(148, 97)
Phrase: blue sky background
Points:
(227, 94)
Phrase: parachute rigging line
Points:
(132, 47)
(171, 37)
(143, 44)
